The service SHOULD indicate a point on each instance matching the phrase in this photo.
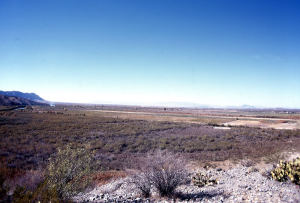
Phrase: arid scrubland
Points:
(115, 145)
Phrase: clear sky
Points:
(153, 51)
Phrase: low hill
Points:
(16, 101)
(28, 96)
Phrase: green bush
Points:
(287, 170)
(68, 171)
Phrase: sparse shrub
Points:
(142, 183)
(164, 170)
(247, 163)
(40, 194)
(22, 184)
(20, 194)
(202, 180)
(68, 171)
(287, 170)
(167, 172)
(6, 174)
(29, 180)
(3, 189)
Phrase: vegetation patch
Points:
(163, 170)
(68, 172)
(287, 170)
(201, 180)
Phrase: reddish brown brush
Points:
(103, 177)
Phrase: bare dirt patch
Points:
(275, 124)
(229, 119)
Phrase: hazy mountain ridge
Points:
(15, 98)
(29, 96)
(15, 101)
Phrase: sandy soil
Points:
(261, 124)
(276, 123)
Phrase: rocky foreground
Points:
(237, 184)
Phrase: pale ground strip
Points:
(276, 123)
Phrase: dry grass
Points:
(166, 116)
(276, 121)
(29, 138)
(103, 177)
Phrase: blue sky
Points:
(151, 52)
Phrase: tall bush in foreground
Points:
(68, 171)
(165, 171)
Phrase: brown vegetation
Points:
(164, 170)
(103, 177)
(29, 138)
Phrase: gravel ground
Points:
(238, 184)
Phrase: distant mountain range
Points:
(13, 98)
(201, 106)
